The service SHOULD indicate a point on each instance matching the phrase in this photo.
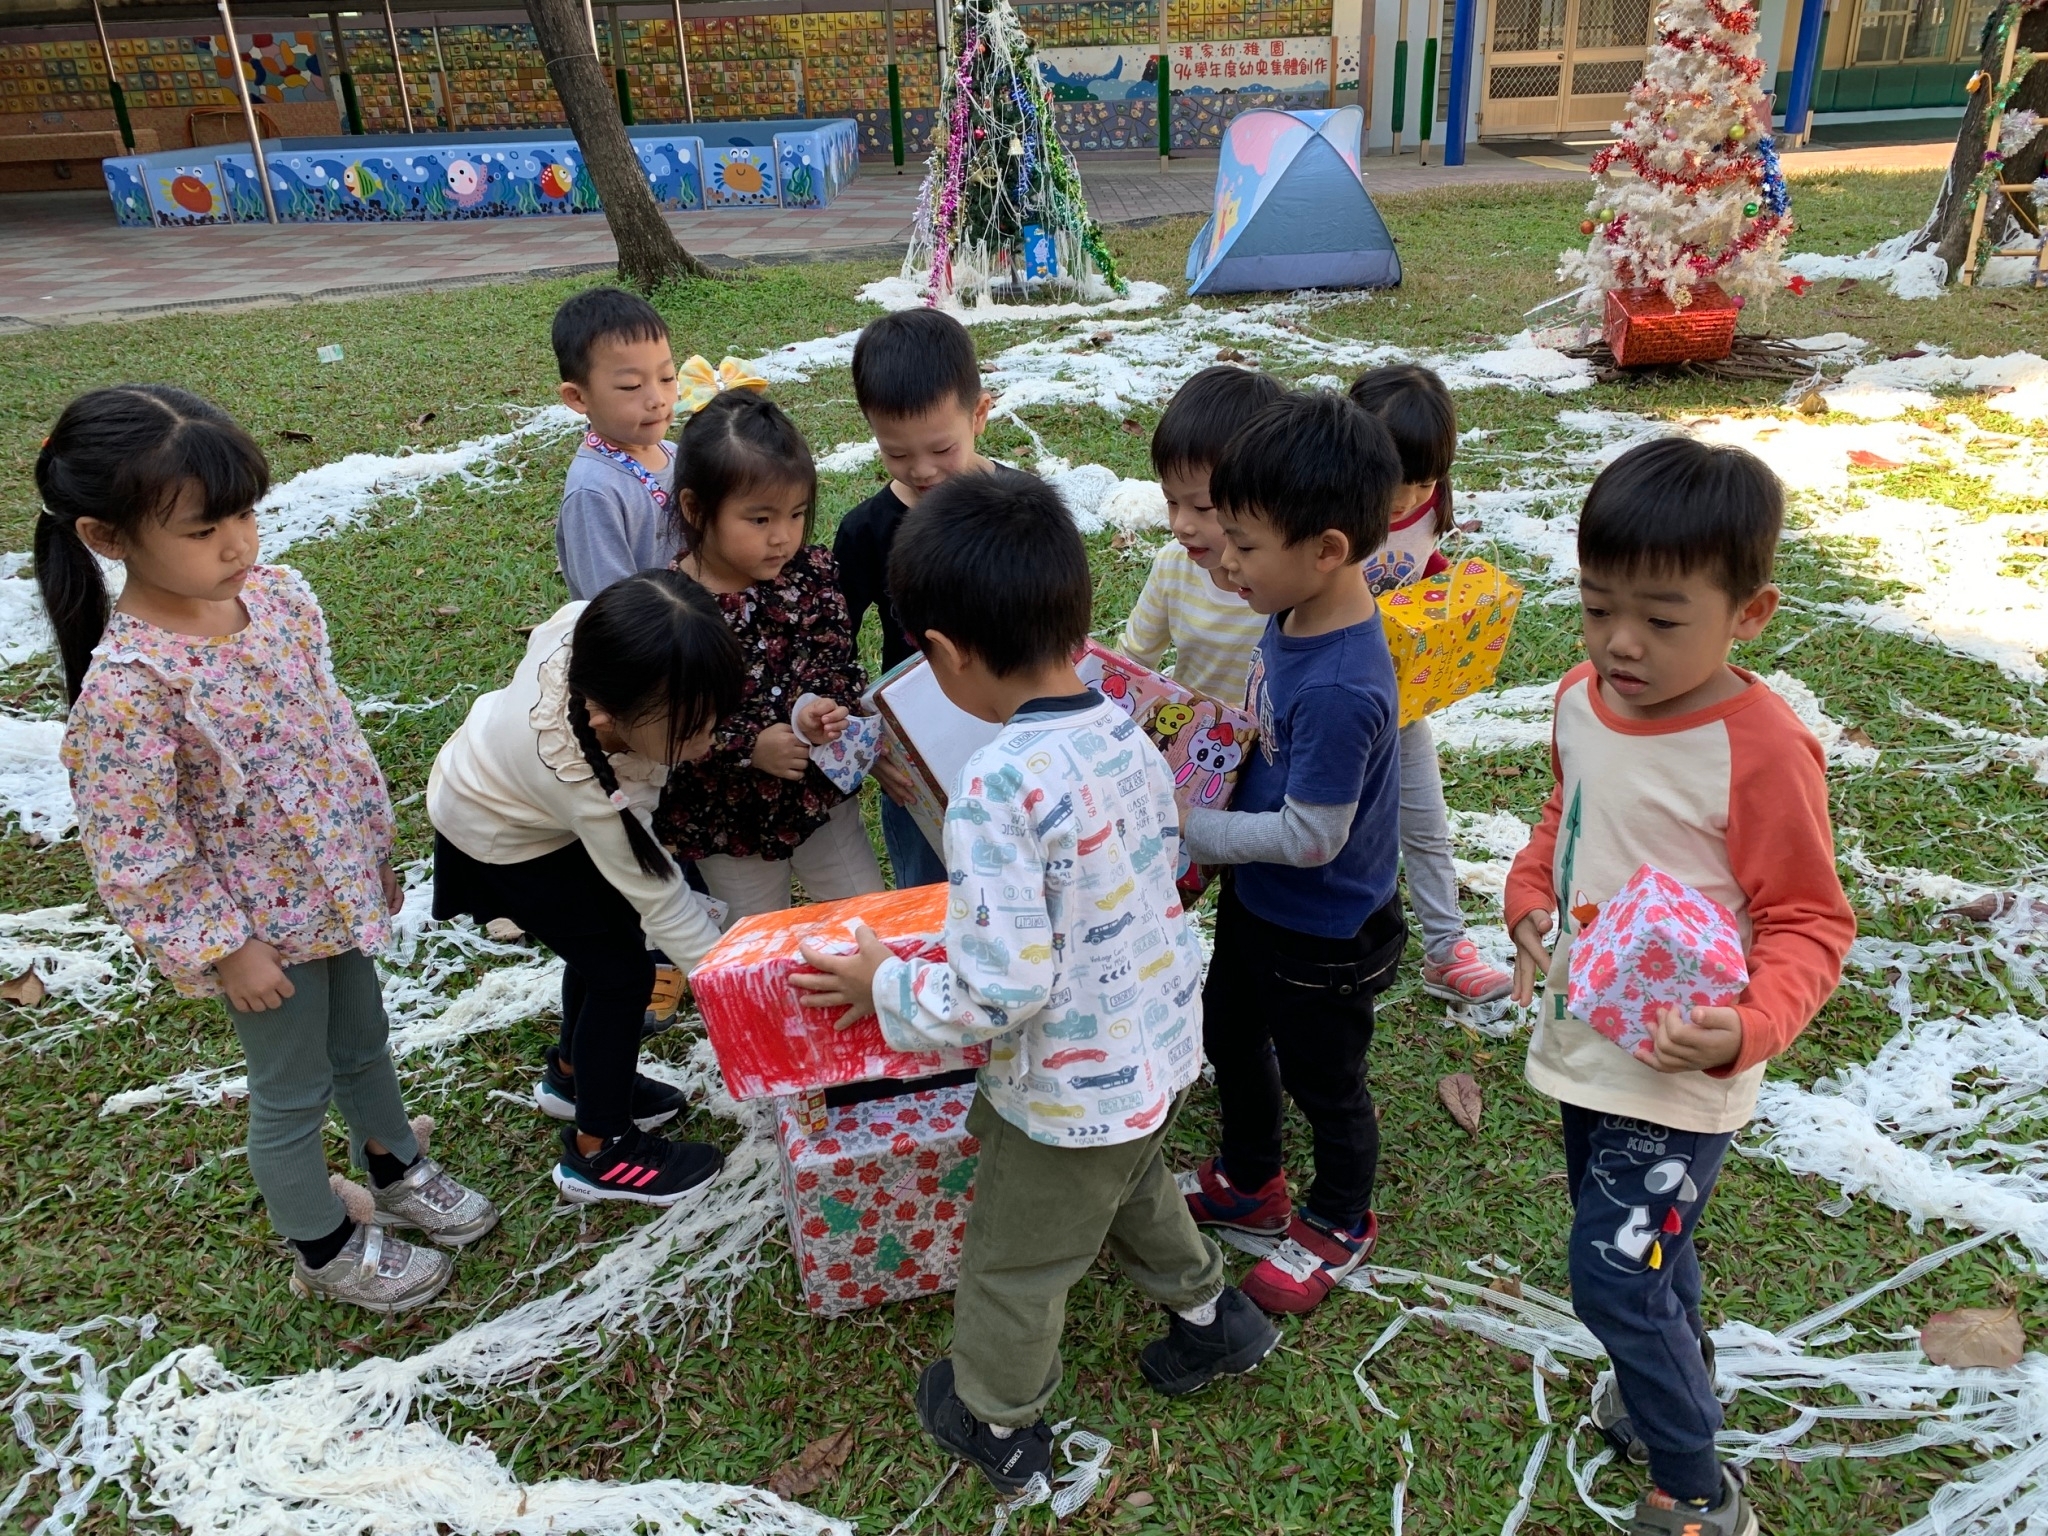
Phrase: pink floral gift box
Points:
(1657, 944)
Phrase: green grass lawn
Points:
(432, 604)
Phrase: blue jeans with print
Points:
(1638, 1191)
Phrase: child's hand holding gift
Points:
(819, 720)
(1710, 1038)
(781, 752)
(844, 981)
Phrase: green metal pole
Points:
(895, 89)
(349, 103)
(619, 66)
(1425, 109)
(114, 91)
(1400, 90)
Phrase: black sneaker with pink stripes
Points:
(636, 1166)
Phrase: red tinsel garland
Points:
(1747, 68)
(1748, 166)
(1736, 18)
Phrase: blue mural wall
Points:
(381, 177)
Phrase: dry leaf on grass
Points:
(1856, 736)
(1142, 1499)
(504, 930)
(1974, 1336)
(816, 1463)
(1506, 1285)
(25, 990)
(1461, 1097)
(1863, 458)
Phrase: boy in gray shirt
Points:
(618, 373)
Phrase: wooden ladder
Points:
(2013, 192)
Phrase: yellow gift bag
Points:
(1447, 633)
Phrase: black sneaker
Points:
(1610, 1413)
(1189, 1358)
(653, 1103)
(1008, 1464)
(636, 1166)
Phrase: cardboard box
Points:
(1203, 740)
(1447, 634)
(929, 737)
(1657, 944)
(767, 1042)
(877, 1195)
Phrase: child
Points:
(1186, 604)
(235, 819)
(539, 804)
(1308, 927)
(916, 380)
(1668, 756)
(755, 809)
(1418, 413)
(1084, 980)
(617, 372)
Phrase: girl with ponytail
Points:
(540, 805)
(235, 819)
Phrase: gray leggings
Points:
(325, 1045)
(1426, 842)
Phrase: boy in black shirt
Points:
(918, 383)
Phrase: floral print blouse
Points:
(794, 634)
(225, 792)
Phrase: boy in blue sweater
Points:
(1308, 927)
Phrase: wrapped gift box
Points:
(1203, 740)
(1657, 944)
(928, 736)
(767, 1042)
(1447, 634)
(1642, 326)
(877, 1194)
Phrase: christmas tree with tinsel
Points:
(1690, 191)
(1002, 213)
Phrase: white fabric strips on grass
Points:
(35, 793)
(92, 971)
(337, 1452)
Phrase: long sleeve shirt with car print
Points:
(1067, 947)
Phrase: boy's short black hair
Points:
(1676, 505)
(1204, 413)
(601, 314)
(1311, 461)
(992, 561)
(910, 361)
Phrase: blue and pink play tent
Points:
(1291, 209)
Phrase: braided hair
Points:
(123, 456)
(650, 646)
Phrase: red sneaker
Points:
(1309, 1264)
(1215, 1202)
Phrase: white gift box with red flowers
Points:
(1657, 944)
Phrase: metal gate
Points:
(1562, 66)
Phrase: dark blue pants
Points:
(911, 858)
(1638, 1191)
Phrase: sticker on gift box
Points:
(1657, 944)
(848, 760)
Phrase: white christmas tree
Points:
(1690, 192)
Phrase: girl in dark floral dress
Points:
(756, 810)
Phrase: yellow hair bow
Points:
(701, 382)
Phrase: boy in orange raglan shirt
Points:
(1666, 755)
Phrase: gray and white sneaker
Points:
(376, 1271)
(427, 1199)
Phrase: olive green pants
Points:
(1040, 1216)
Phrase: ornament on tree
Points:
(1002, 211)
(1715, 211)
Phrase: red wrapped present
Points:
(1656, 944)
(878, 1197)
(1643, 326)
(767, 1042)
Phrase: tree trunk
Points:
(1947, 232)
(649, 253)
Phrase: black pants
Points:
(1638, 1191)
(1286, 1010)
(607, 972)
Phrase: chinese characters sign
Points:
(1275, 64)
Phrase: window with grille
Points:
(1613, 23)
(1919, 31)
(1521, 82)
(1528, 26)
